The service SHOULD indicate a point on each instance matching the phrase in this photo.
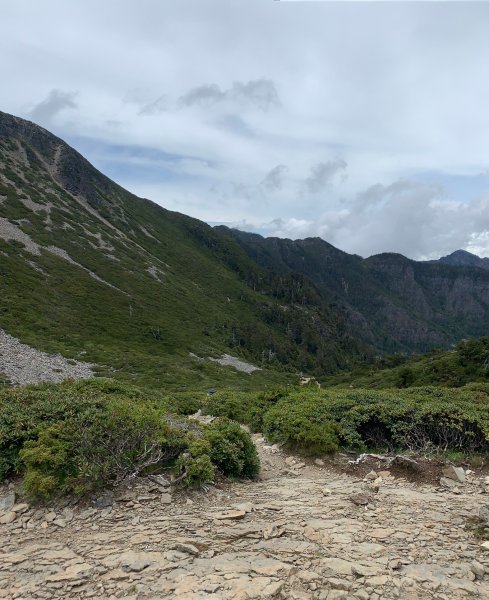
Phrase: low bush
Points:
(305, 427)
(120, 441)
(75, 438)
(247, 408)
(261, 403)
(195, 465)
(49, 462)
(232, 449)
(229, 404)
(430, 419)
(185, 403)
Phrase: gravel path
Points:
(23, 365)
(294, 535)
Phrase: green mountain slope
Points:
(467, 362)
(89, 270)
(392, 303)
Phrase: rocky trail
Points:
(301, 532)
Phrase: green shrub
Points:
(305, 427)
(261, 403)
(228, 404)
(185, 403)
(429, 419)
(25, 412)
(196, 464)
(92, 450)
(49, 462)
(232, 449)
(124, 441)
(77, 437)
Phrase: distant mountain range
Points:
(462, 258)
(393, 304)
(89, 270)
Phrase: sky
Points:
(364, 123)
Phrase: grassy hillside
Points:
(467, 363)
(93, 272)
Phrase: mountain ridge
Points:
(398, 304)
(87, 266)
(462, 258)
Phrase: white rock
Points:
(187, 548)
(20, 508)
(455, 473)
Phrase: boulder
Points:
(361, 499)
(477, 569)
(230, 515)
(8, 517)
(448, 483)
(186, 548)
(484, 513)
(7, 501)
(455, 473)
(20, 508)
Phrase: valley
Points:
(155, 441)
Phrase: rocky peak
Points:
(461, 258)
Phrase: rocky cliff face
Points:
(394, 303)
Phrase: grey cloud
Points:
(234, 124)
(56, 101)
(203, 95)
(161, 104)
(323, 173)
(342, 74)
(274, 180)
(261, 93)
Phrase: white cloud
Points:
(236, 91)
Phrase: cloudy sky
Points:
(364, 123)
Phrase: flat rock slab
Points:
(277, 538)
(230, 515)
